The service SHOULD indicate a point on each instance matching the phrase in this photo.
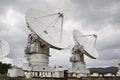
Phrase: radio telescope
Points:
(84, 44)
(46, 32)
(4, 48)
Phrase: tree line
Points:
(4, 67)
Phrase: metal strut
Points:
(46, 15)
(62, 18)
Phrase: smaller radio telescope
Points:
(4, 48)
(84, 44)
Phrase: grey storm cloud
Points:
(110, 54)
(97, 13)
(110, 39)
(99, 16)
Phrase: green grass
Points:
(3, 76)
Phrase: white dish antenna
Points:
(18, 62)
(4, 48)
(86, 43)
(48, 27)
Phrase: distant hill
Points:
(113, 70)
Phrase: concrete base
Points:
(79, 70)
(35, 68)
(118, 73)
(76, 72)
(37, 71)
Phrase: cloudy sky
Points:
(101, 17)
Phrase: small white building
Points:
(108, 74)
(59, 72)
(15, 72)
(118, 73)
(95, 74)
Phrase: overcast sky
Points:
(101, 17)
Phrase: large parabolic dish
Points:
(4, 48)
(86, 43)
(47, 27)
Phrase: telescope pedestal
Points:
(37, 57)
(78, 65)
